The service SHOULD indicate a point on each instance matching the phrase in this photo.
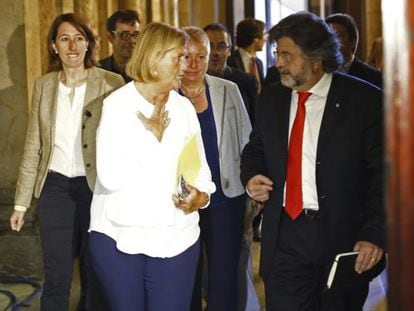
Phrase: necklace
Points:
(193, 98)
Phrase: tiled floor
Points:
(21, 291)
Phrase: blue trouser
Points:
(139, 282)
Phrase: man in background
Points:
(220, 47)
(123, 30)
(220, 50)
(250, 38)
(348, 35)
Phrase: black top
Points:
(365, 72)
(109, 64)
(272, 75)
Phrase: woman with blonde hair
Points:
(144, 235)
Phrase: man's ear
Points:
(354, 46)
(316, 65)
(111, 37)
(228, 52)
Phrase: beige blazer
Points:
(40, 135)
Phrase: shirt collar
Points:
(321, 88)
(244, 54)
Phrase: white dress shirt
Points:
(247, 59)
(315, 106)
(137, 176)
(67, 157)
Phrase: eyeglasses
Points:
(284, 56)
(221, 47)
(287, 57)
(126, 35)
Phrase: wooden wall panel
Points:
(47, 13)
(184, 12)
(67, 6)
(398, 29)
(372, 25)
(33, 55)
(103, 12)
(156, 11)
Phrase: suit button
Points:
(85, 146)
(83, 127)
(322, 197)
(88, 165)
(318, 162)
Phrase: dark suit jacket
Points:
(109, 65)
(349, 165)
(247, 85)
(272, 75)
(235, 61)
(365, 72)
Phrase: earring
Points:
(56, 52)
(155, 73)
(86, 49)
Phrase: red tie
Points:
(294, 198)
(255, 72)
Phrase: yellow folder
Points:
(189, 162)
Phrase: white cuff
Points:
(249, 194)
(20, 208)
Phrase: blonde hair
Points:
(198, 35)
(156, 39)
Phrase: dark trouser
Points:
(221, 233)
(247, 293)
(139, 282)
(296, 280)
(64, 213)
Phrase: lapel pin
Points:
(337, 105)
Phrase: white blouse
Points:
(67, 157)
(137, 176)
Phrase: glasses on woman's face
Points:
(126, 35)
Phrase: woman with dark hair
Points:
(58, 164)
